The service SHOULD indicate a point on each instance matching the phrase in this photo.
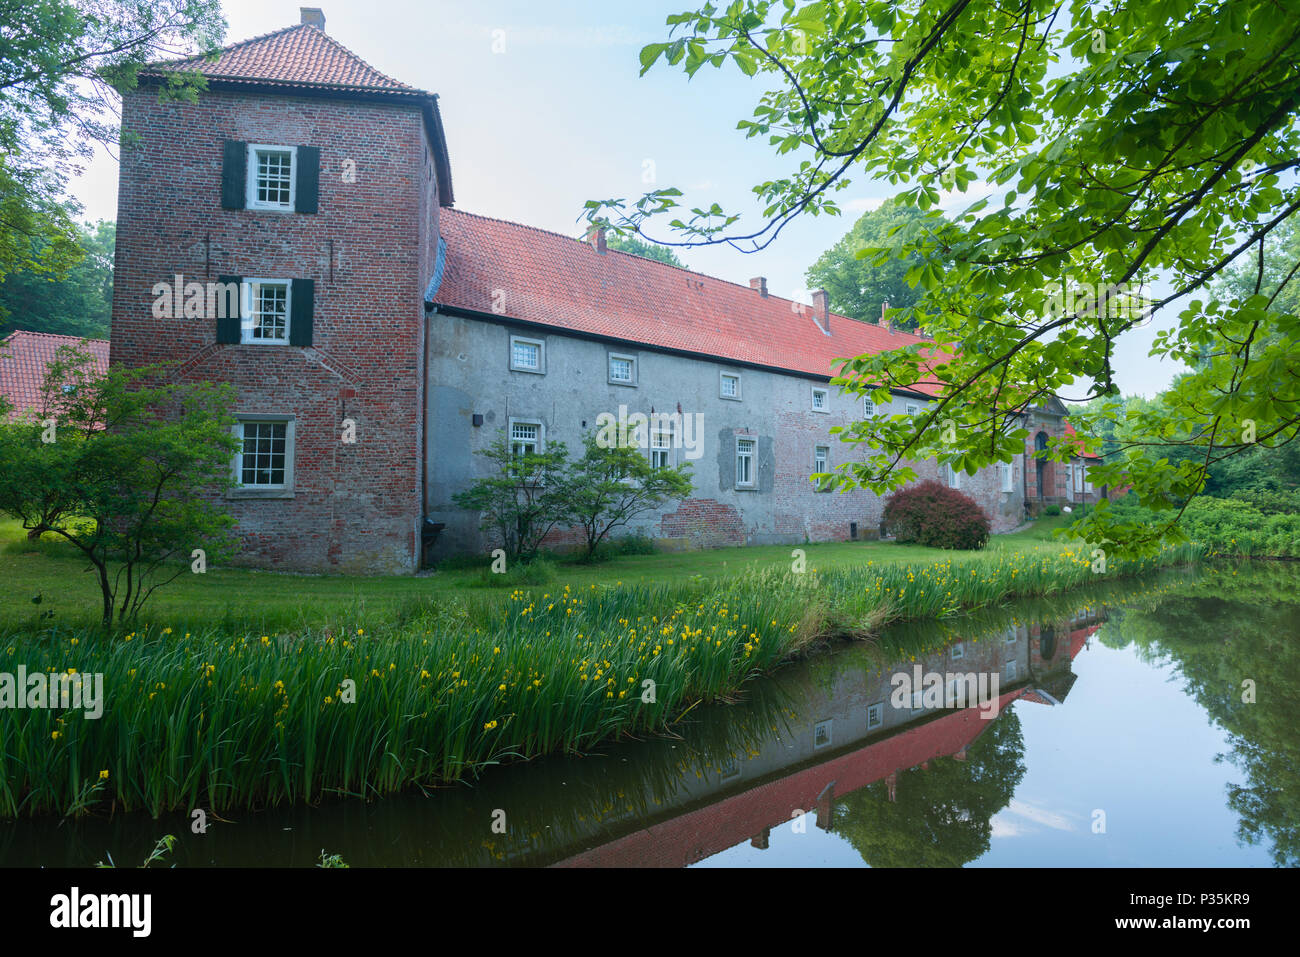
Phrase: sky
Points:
(544, 110)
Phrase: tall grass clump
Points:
(214, 720)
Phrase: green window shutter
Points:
(228, 323)
(234, 175)
(307, 189)
(301, 308)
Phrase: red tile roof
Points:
(300, 55)
(23, 358)
(1070, 433)
(554, 280)
(303, 58)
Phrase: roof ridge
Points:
(49, 335)
(692, 272)
(361, 60)
(169, 64)
(198, 60)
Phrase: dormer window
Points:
(271, 177)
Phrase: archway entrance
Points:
(1040, 465)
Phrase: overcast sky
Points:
(544, 110)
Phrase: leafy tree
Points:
(859, 289)
(113, 464)
(80, 303)
(1123, 141)
(639, 247)
(614, 482)
(62, 65)
(524, 498)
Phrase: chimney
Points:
(759, 283)
(822, 310)
(313, 17)
(597, 239)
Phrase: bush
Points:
(1052, 510)
(637, 543)
(932, 514)
(1270, 502)
(540, 571)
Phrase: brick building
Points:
(293, 232)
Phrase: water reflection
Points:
(902, 786)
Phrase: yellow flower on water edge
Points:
(56, 735)
(103, 775)
(490, 725)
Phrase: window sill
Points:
(624, 384)
(730, 398)
(259, 493)
(531, 371)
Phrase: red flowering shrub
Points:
(929, 513)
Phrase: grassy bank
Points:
(237, 599)
(221, 720)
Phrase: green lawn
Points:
(53, 569)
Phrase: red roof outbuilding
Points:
(23, 358)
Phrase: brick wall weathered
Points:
(354, 507)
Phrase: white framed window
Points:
(822, 733)
(868, 407)
(264, 311)
(622, 369)
(271, 177)
(912, 408)
(661, 446)
(822, 463)
(821, 399)
(729, 385)
(1007, 471)
(951, 476)
(1013, 670)
(264, 459)
(527, 355)
(1087, 483)
(526, 437)
(745, 463)
(958, 651)
(875, 715)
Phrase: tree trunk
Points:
(107, 591)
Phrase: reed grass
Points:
(220, 721)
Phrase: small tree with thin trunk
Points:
(524, 498)
(117, 464)
(613, 483)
